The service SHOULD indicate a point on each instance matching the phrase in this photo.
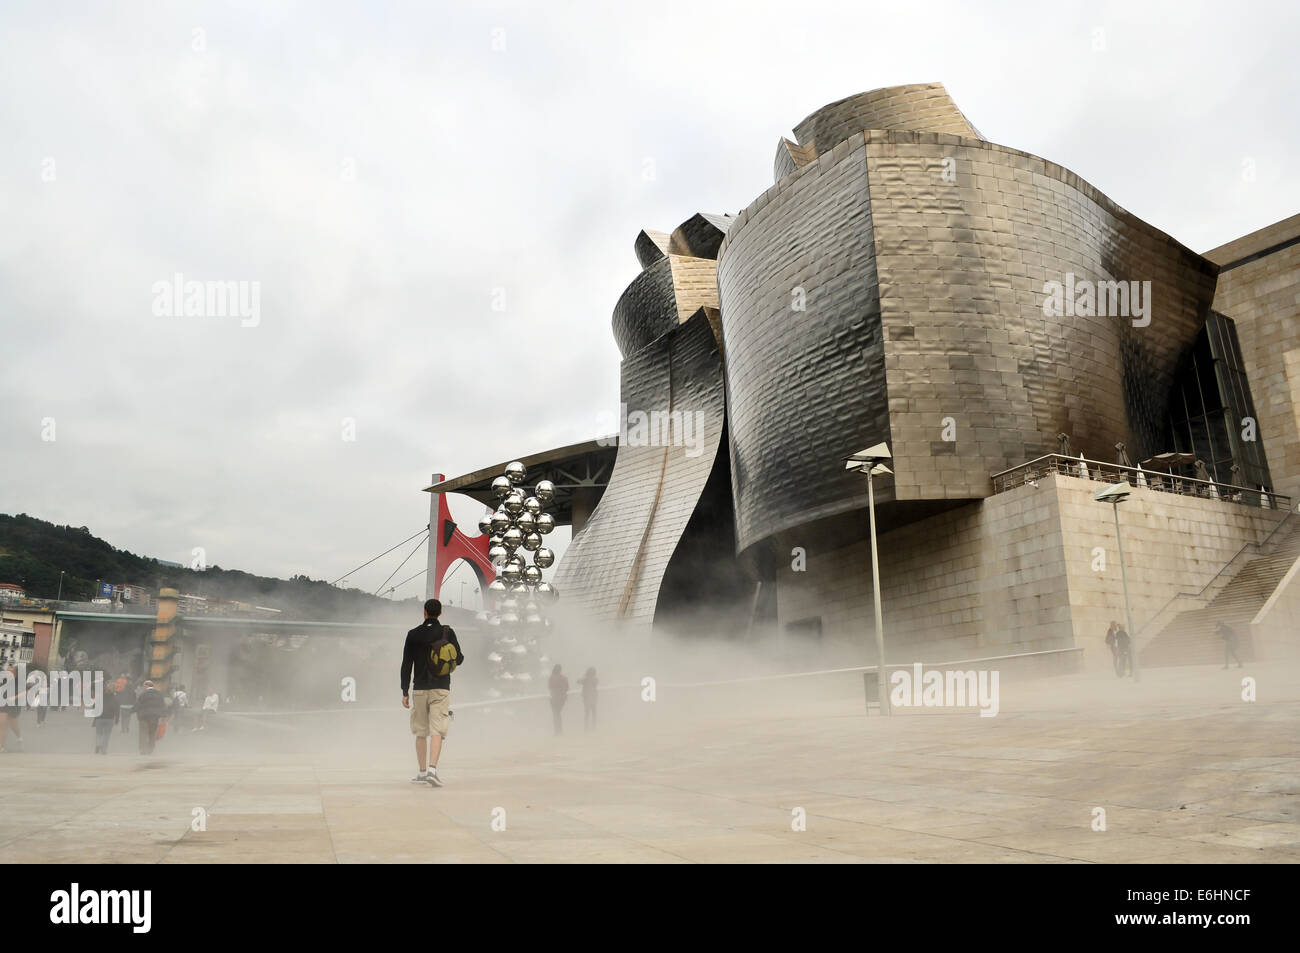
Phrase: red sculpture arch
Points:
(450, 544)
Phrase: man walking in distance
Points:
(429, 698)
(1229, 643)
(150, 708)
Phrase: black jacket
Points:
(415, 656)
(112, 706)
(151, 704)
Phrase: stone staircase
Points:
(1190, 638)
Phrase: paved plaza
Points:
(1184, 770)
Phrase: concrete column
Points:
(435, 531)
(161, 646)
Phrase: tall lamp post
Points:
(1115, 495)
(872, 462)
(59, 597)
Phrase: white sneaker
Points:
(420, 779)
(432, 778)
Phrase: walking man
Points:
(432, 652)
(149, 710)
(104, 721)
(559, 685)
(1123, 650)
(1114, 649)
(1229, 643)
(588, 683)
(126, 694)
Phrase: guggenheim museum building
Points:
(1014, 337)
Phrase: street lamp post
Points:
(872, 462)
(59, 597)
(1115, 495)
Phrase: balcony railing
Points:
(1151, 479)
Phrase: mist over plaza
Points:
(852, 433)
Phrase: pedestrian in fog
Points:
(43, 695)
(9, 721)
(107, 717)
(210, 704)
(588, 683)
(1114, 648)
(180, 706)
(1229, 643)
(1123, 652)
(429, 656)
(150, 708)
(126, 692)
(559, 686)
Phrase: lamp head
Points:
(1116, 493)
(872, 460)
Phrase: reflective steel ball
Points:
(498, 555)
(514, 503)
(517, 561)
(485, 524)
(509, 618)
(516, 472)
(544, 558)
(532, 576)
(526, 522)
(511, 573)
(500, 487)
(532, 505)
(512, 538)
(497, 587)
(545, 523)
(532, 541)
(547, 592)
(500, 521)
(519, 589)
(544, 491)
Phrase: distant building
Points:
(187, 604)
(10, 592)
(17, 644)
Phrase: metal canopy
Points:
(580, 468)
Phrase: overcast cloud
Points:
(383, 169)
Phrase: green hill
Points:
(33, 551)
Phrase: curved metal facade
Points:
(666, 325)
(922, 260)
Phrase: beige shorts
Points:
(430, 712)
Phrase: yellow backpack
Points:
(442, 656)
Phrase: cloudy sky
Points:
(391, 174)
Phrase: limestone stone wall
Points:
(1275, 632)
(1262, 296)
(1015, 573)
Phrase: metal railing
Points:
(1056, 463)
